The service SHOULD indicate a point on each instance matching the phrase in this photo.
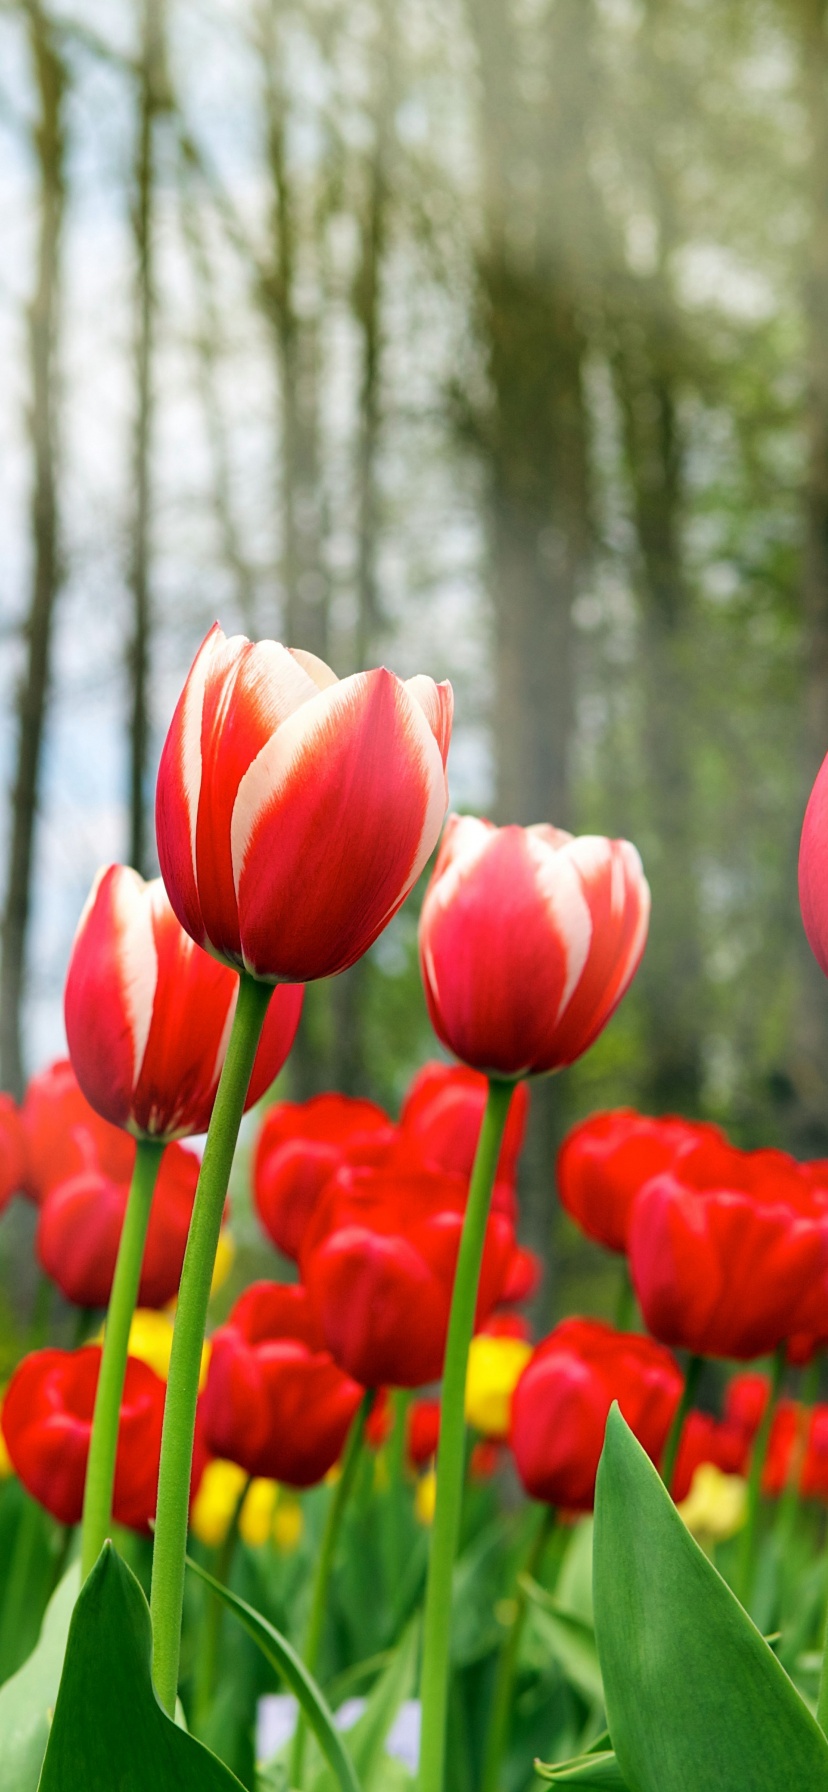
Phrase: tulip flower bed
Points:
(598, 1557)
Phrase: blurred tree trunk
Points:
(534, 279)
(44, 318)
(348, 992)
(151, 98)
(810, 1120)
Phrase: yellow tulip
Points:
(216, 1501)
(288, 1523)
(495, 1367)
(425, 1497)
(716, 1504)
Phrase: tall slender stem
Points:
(190, 1320)
(671, 1448)
(450, 1453)
(508, 1659)
(325, 1561)
(747, 1544)
(100, 1472)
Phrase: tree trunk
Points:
(33, 697)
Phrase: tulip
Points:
(378, 1260)
(523, 1277)
(605, 1160)
(422, 1432)
(80, 1224)
(12, 1151)
(494, 1368)
(813, 868)
(443, 1112)
(47, 1425)
(562, 1400)
(295, 812)
(275, 1401)
(729, 1252)
(528, 940)
(299, 1147)
(797, 1451)
(746, 1399)
(716, 1506)
(215, 1505)
(148, 1015)
(706, 1440)
(64, 1136)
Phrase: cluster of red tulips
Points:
(295, 812)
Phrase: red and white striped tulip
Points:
(294, 811)
(528, 940)
(813, 868)
(148, 1014)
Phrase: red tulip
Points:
(79, 1229)
(729, 1252)
(64, 1136)
(797, 1451)
(523, 1277)
(813, 868)
(528, 940)
(275, 1402)
(47, 1425)
(705, 1439)
(378, 1259)
(746, 1398)
(12, 1151)
(443, 1113)
(299, 1147)
(294, 812)
(148, 1014)
(380, 1421)
(605, 1160)
(422, 1432)
(561, 1404)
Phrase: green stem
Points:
(325, 1561)
(211, 1617)
(450, 1453)
(28, 1540)
(508, 1659)
(743, 1578)
(188, 1337)
(100, 1472)
(626, 1308)
(671, 1448)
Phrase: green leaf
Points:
(28, 1699)
(569, 1640)
(284, 1659)
(109, 1730)
(593, 1773)
(696, 1701)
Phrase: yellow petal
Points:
(258, 1512)
(495, 1367)
(716, 1504)
(216, 1501)
(425, 1497)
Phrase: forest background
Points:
(487, 338)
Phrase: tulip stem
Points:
(100, 1472)
(188, 1337)
(325, 1561)
(450, 1452)
(695, 1365)
(498, 1731)
(743, 1578)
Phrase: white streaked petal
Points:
(192, 710)
(133, 909)
(427, 747)
(277, 680)
(315, 667)
(560, 888)
(437, 704)
(464, 848)
(91, 899)
(543, 830)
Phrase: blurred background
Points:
(487, 339)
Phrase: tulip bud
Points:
(294, 812)
(528, 940)
(148, 1014)
(302, 1144)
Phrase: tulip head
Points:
(813, 868)
(275, 1402)
(12, 1151)
(562, 1401)
(148, 1014)
(65, 1136)
(494, 1369)
(443, 1114)
(300, 1146)
(294, 811)
(707, 1441)
(528, 940)
(79, 1230)
(606, 1159)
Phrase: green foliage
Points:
(696, 1700)
(595, 1772)
(28, 1699)
(109, 1729)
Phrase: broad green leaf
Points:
(367, 1739)
(568, 1639)
(593, 1773)
(277, 1650)
(109, 1733)
(28, 1699)
(696, 1701)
